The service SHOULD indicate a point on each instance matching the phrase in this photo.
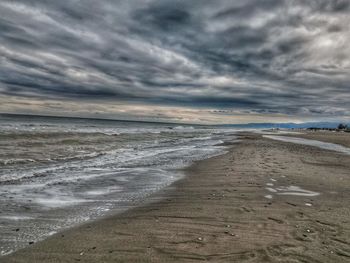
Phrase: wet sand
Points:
(263, 201)
(341, 138)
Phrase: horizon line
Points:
(162, 122)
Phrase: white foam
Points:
(58, 201)
(103, 191)
(16, 217)
(268, 196)
(6, 252)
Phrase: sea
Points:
(56, 173)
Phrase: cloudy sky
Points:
(205, 61)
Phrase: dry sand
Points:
(221, 212)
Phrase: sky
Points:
(193, 61)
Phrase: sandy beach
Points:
(341, 138)
(263, 201)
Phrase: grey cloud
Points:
(274, 56)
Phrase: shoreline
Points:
(64, 174)
(230, 218)
(341, 138)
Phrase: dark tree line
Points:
(342, 126)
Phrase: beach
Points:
(341, 138)
(263, 201)
(57, 173)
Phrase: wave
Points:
(98, 168)
(4, 162)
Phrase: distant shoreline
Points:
(303, 126)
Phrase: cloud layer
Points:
(252, 57)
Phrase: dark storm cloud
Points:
(269, 56)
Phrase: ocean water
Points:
(56, 173)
